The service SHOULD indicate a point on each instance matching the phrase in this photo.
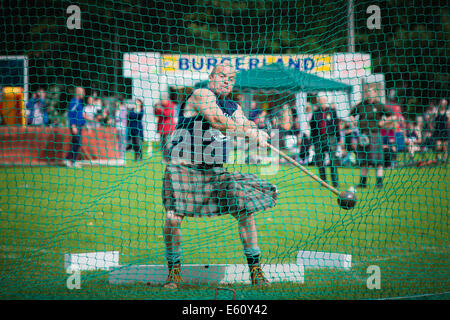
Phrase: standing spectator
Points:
(370, 147)
(174, 97)
(326, 136)
(420, 127)
(428, 118)
(286, 118)
(53, 103)
(107, 114)
(98, 106)
(282, 121)
(37, 110)
(165, 112)
(388, 137)
(92, 114)
(350, 142)
(304, 135)
(394, 106)
(1, 99)
(413, 139)
(295, 132)
(304, 144)
(295, 127)
(441, 131)
(121, 118)
(400, 125)
(76, 123)
(136, 128)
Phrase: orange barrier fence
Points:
(49, 146)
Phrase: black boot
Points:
(323, 174)
(334, 177)
(379, 182)
(363, 183)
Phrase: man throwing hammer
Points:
(196, 184)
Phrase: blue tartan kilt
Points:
(199, 192)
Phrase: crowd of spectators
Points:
(37, 109)
(166, 114)
(97, 111)
(91, 113)
(401, 133)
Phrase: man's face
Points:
(79, 93)
(222, 80)
(323, 103)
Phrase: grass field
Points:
(48, 211)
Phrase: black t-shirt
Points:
(195, 134)
(329, 115)
(440, 122)
(370, 113)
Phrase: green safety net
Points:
(354, 88)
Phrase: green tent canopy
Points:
(277, 77)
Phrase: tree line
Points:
(410, 48)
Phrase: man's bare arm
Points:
(250, 127)
(205, 103)
(241, 119)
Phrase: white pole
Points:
(351, 27)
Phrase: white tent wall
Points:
(149, 91)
